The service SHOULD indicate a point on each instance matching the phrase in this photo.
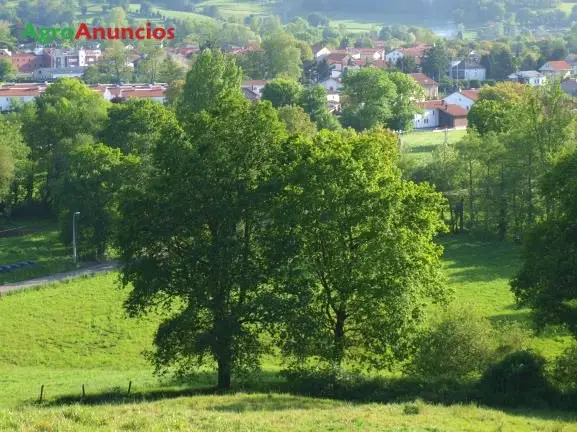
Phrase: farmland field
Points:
(77, 333)
(279, 412)
(420, 145)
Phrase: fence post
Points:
(83, 392)
(129, 387)
(41, 392)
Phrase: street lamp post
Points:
(74, 252)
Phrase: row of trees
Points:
(516, 135)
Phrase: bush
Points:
(475, 83)
(512, 337)
(565, 370)
(517, 380)
(458, 346)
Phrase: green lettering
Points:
(67, 33)
(45, 35)
(29, 32)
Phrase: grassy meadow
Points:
(75, 333)
(41, 244)
(276, 412)
(419, 146)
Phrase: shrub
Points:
(512, 337)
(517, 380)
(565, 370)
(458, 346)
(411, 409)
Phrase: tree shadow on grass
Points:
(468, 259)
(278, 395)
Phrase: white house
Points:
(332, 85)
(464, 98)
(417, 52)
(468, 70)
(429, 118)
(531, 78)
(333, 97)
(11, 93)
(556, 69)
(394, 56)
(322, 53)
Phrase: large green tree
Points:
(281, 92)
(134, 126)
(436, 61)
(368, 97)
(365, 259)
(213, 83)
(282, 55)
(193, 231)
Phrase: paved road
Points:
(90, 270)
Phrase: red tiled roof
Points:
(415, 51)
(20, 92)
(472, 94)
(360, 62)
(337, 57)
(431, 104)
(454, 110)
(423, 79)
(559, 65)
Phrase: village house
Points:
(440, 114)
(69, 58)
(332, 85)
(320, 51)
(338, 60)
(250, 95)
(255, 85)
(430, 86)
(369, 54)
(467, 70)
(557, 70)
(429, 118)
(417, 52)
(26, 92)
(464, 98)
(453, 116)
(28, 62)
(9, 94)
(531, 78)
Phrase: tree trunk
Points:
(224, 374)
(471, 197)
(340, 336)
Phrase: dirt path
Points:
(86, 271)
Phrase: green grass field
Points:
(42, 246)
(278, 412)
(77, 333)
(420, 145)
